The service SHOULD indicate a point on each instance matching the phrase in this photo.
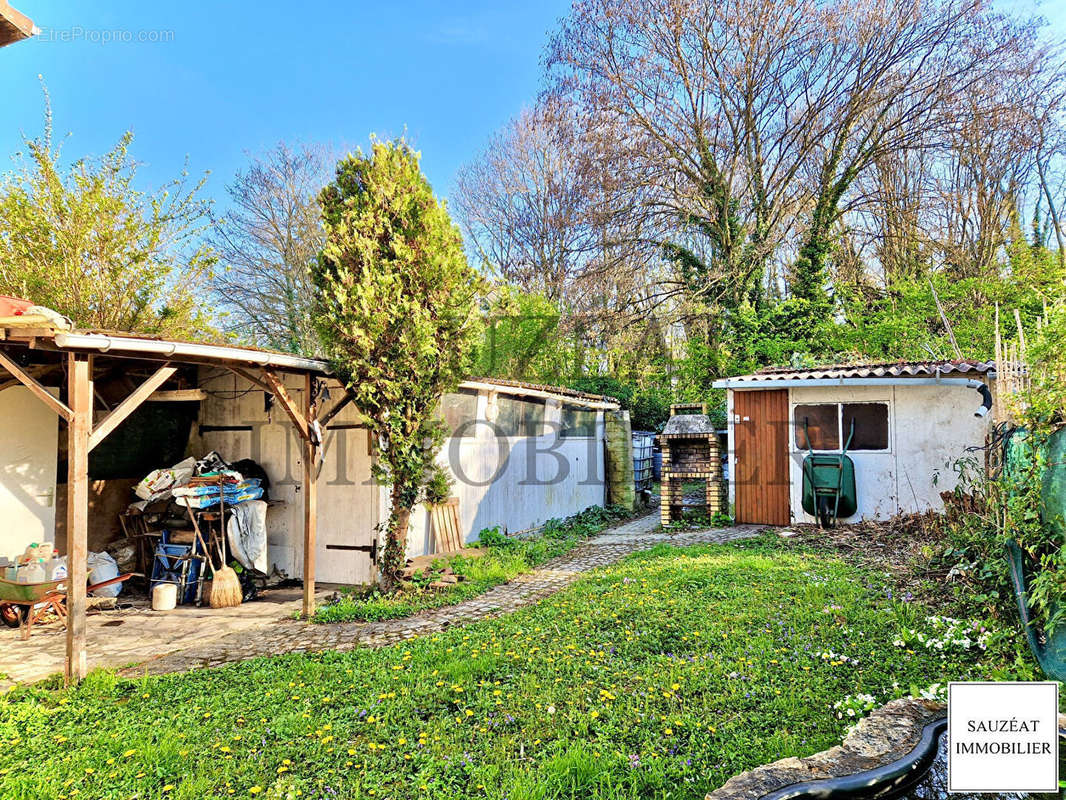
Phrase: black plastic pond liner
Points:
(881, 782)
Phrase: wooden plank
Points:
(333, 412)
(80, 395)
(447, 535)
(299, 419)
(742, 455)
(759, 462)
(310, 503)
(779, 501)
(178, 396)
(130, 404)
(32, 384)
(29, 334)
(452, 516)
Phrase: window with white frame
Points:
(829, 426)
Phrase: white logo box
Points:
(1003, 737)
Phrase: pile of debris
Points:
(433, 572)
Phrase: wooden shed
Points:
(59, 369)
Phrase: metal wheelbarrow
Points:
(24, 604)
(829, 482)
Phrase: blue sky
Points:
(236, 77)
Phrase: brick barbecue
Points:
(691, 453)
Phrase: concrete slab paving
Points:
(147, 642)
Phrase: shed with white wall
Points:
(917, 427)
(518, 456)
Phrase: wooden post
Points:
(80, 398)
(310, 502)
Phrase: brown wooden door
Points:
(760, 466)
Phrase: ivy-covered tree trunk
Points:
(395, 553)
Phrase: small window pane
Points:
(871, 425)
(459, 410)
(821, 424)
(577, 422)
(518, 417)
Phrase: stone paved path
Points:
(292, 636)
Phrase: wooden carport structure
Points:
(14, 25)
(37, 356)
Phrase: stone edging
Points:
(889, 733)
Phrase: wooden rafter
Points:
(37, 373)
(34, 386)
(130, 404)
(14, 25)
(282, 394)
(243, 373)
(339, 406)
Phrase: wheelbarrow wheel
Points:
(12, 615)
(825, 511)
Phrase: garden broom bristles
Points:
(225, 585)
(225, 588)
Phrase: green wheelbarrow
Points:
(829, 482)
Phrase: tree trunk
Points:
(395, 555)
(1052, 210)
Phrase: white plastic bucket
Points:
(164, 597)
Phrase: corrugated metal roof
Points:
(200, 352)
(883, 369)
(562, 391)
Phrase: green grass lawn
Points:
(505, 558)
(659, 677)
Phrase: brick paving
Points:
(138, 641)
(292, 636)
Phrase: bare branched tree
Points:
(528, 204)
(266, 243)
(740, 163)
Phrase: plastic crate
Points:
(643, 449)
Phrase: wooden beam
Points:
(243, 373)
(80, 394)
(130, 404)
(310, 488)
(282, 394)
(15, 25)
(31, 383)
(178, 396)
(337, 408)
(37, 373)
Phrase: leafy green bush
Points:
(493, 537)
